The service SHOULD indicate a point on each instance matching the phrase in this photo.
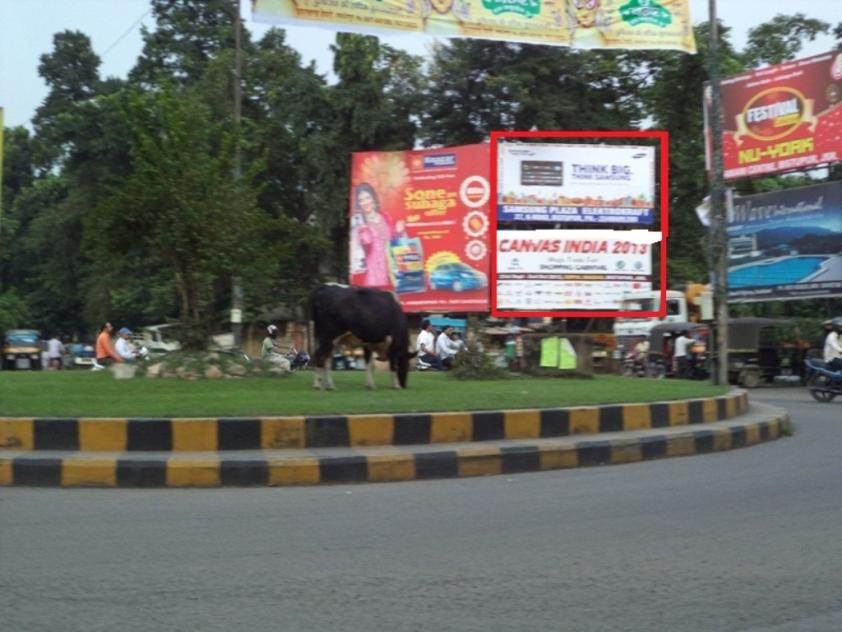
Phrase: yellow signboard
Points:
(648, 24)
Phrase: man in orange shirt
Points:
(105, 353)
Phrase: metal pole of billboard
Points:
(236, 281)
(717, 209)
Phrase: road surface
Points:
(740, 540)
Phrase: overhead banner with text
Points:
(539, 182)
(557, 270)
(629, 24)
(786, 245)
(420, 227)
(780, 118)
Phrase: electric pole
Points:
(718, 212)
(236, 281)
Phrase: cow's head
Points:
(399, 363)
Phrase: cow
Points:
(363, 317)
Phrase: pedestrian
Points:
(425, 344)
(124, 347)
(105, 353)
(682, 346)
(55, 350)
(833, 346)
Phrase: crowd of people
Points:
(437, 350)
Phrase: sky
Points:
(27, 28)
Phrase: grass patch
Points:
(98, 394)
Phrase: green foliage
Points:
(781, 38)
(180, 208)
(123, 204)
(13, 311)
(472, 363)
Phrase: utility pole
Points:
(718, 213)
(236, 281)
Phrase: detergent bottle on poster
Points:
(407, 264)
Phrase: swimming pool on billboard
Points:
(778, 271)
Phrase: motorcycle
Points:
(298, 359)
(823, 383)
(634, 365)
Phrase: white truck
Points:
(695, 301)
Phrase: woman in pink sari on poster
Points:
(374, 230)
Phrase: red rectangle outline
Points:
(663, 139)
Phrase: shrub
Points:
(473, 364)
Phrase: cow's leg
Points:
(395, 382)
(321, 361)
(369, 369)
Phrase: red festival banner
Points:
(780, 118)
(420, 227)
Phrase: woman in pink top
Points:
(374, 236)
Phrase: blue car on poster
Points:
(457, 277)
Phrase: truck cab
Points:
(629, 331)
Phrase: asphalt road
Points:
(742, 540)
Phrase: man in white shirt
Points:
(443, 347)
(833, 346)
(54, 352)
(125, 349)
(425, 345)
(682, 344)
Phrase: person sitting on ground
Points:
(270, 351)
(833, 346)
(443, 347)
(425, 345)
(125, 348)
(105, 353)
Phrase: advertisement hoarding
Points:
(631, 24)
(558, 270)
(780, 118)
(575, 183)
(420, 226)
(786, 244)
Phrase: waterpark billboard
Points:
(575, 183)
(630, 24)
(420, 226)
(557, 270)
(780, 118)
(786, 245)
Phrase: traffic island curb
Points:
(338, 431)
(381, 464)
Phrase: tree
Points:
(673, 98)
(375, 104)
(179, 209)
(71, 72)
(477, 86)
(781, 38)
(188, 34)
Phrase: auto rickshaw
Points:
(760, 349)
(661, 360)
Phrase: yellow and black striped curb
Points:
(261, 433)
(263, 468)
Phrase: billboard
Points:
(637, 24)
(420, 226)
(780, 118)
(786, 244)
(575, 183)
(554, 270)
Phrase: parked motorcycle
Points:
(823, 383)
